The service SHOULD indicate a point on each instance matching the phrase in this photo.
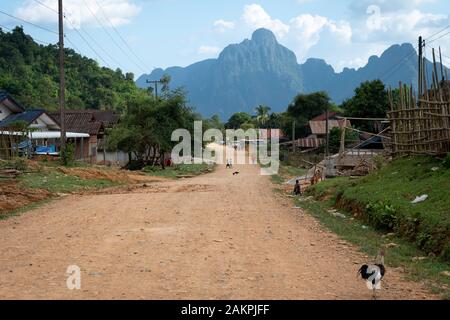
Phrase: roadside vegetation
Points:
(179, 171)
(58, 182)
(34, 182)
(376, 211)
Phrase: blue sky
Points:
(162, 33)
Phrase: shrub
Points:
(68, 155)
(379, 161)
(446, 162)
(382, 215)
(20, 164)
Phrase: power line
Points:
(435, 34)
(30, 23)
(391, 72)
(121, 38)
(87, 34)
(109, 35)
(434, 40)
(44, 5)
(37, 40)
(88, 44)
(386, 75)
(73, 44)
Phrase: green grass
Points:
(395, 185)
(178, 171)
(25, 209)
(384, 198)
(54, 181)
(370, 241)
(288, 172)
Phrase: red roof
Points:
(323, 117)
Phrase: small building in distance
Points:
(317, 127)
(9, 105)
(94, 123)
(36, 120)
(26, 131)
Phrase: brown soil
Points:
(216, 236)
(12, 196)
(110, 174)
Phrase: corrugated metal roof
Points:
(310, 143)
(320, 127)
(88, 120)
(6, 96)
(107, 117)
(323, 116)
(28, 116)
(79, 121)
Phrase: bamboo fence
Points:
(421, 123)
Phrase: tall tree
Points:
(147, 125)
(262, 115)
(237, 120)
(303, 108)
(370, 101)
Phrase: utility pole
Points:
(327, 142)
(293, 136)
(62, 84)
(155, 83)
(442, 65)
(420, 65)
(327, 145)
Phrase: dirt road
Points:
(215, 236)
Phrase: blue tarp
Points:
(46, 149)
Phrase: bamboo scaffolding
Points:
(421, 123)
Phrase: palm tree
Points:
(262, 114)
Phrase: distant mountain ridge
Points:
(261, 71)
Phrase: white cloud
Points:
(256, 17)
(308, 29)
(352, 63)
(208, 50)
(119, 12)
(380, 24)
(360, 6)
(400, 26)
(223, 25)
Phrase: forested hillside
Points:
(29, 71)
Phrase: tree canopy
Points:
(29, 71)
(147, 125)
(237, 120)
(370, 101)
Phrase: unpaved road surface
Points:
(216, 236)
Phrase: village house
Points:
(94, 123)
(31, 132)
(317, 127)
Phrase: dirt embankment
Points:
(115, 175)
(14, 195)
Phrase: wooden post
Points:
(62, 83)
(82, 149)
(342, 148)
